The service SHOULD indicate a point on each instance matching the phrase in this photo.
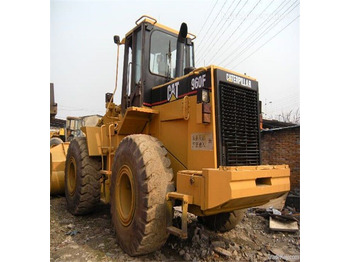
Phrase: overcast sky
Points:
(255, 37)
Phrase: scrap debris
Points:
(76, 239)
(285, 220)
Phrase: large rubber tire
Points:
(223, 222)
(82, 178)
(141, 178)
(54, 141)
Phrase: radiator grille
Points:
(239, 126)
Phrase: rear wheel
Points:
(82, 178)
(223, 222)
(141, 178)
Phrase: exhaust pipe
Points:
(180, 50)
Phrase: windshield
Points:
(163, 54)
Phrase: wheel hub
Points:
(125, 195)
(72, 176)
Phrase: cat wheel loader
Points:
(182, 136)
(74, 124)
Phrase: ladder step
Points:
(177, 232)
(105, 172)
(183, 197)
(106, 149)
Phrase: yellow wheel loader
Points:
(182, 136)
(73, 125)
(58, 149)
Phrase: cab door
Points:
(132, 72)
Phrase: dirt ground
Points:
(91, 238)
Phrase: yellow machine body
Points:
(57, 166)
(230, 188)
(178, 125)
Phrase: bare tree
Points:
(290, 116)
(296, 116)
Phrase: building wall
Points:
(282, 146)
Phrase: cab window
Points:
(163, 54)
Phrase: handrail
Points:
(199, 69)
(101, 133)
(110, 135)
(193, 35)
(147, 16)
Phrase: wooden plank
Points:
(288, 226)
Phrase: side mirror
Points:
(116, 39)
(109, 97)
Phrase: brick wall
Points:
(282, 146)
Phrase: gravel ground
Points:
(91, 238)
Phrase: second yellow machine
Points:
(182, 136)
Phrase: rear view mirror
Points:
(116, 39)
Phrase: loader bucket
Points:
(57, 165)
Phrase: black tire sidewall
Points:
(73, 152)
(127, 233)
(152, 176)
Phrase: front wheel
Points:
(141, 178)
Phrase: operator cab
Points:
(151, 59)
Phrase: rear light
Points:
(206, 113)
(203, 105)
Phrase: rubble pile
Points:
(91, 238)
